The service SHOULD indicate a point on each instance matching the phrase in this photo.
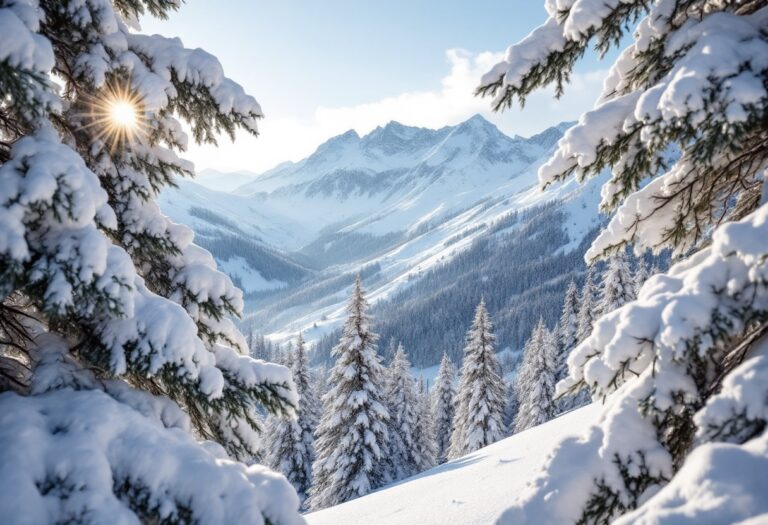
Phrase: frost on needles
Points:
(117, 349)
(681, 366)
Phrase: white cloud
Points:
(292, 139)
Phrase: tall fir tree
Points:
(618, 286)
(568, 329)
(111, 319)
(426, 445)
(568, 339)
(291, 441)
(480, 399)
(351, 439)
(443, 398)
(403, 406)
(587, 306)
(692, 79)
(535, 382)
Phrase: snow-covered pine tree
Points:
(480, 398)
(351, 439)
(641, 275)
(291, 440)
(443, 397)
(114, 326)
(426, 445)
(569, 326)
(403, 406)
(618, 286)
(587, 306)
(535, 382)
(694, 77)
(568, 339)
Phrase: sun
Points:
(123, 113)
(118, 115)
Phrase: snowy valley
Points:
(424, 215)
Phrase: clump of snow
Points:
(77, 455)
(20, 45)
(635, 357)
(719, 483)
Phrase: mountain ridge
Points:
(395, 203)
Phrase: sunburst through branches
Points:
(117, 115)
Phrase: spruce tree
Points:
(641, 275)
(618, 286)
(480, 398)
(403, 406)
(443, 396)
(291, 441)
(425, 452)
(694, 79)
(587, 306)
(568, 339)
(109, 313)
(568, 329)
(535, 382)
(351, 439)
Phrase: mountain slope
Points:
(470, 490)
(399, 205)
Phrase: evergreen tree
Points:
(351, 439)
(535, 383)
(480, 398)
(568, 339)
(403, 406)
(443, 397)
(618, 287)
(693, 78)
(641, 275)
(587, 306)
(106, 306)
(291, 445)
(568, 329)
(426, 445)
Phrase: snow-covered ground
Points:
(471, 490)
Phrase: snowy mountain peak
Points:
(478, 124)
(330, 146)
(394, 161)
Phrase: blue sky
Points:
(320, 68)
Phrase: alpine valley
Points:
(432, 219)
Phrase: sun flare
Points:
(123, 113)
(117, 115)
